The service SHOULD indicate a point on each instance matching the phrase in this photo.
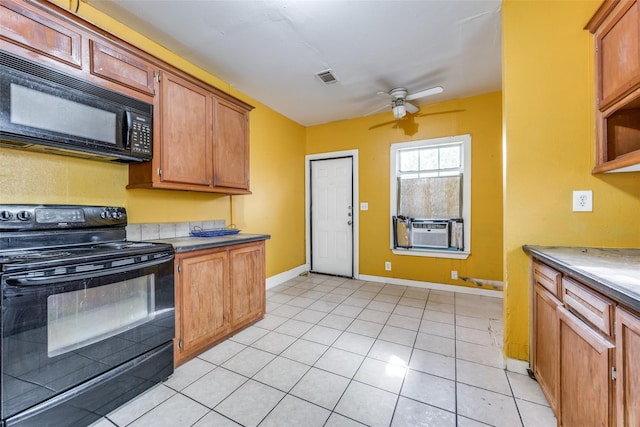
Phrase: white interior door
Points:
(332, 216)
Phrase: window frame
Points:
(466, 195)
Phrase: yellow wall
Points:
(276, 206)
(479, 116)
(548, 99)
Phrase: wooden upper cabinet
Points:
(616, 30)
(186, 132)
(112, 63)
(618, 53)
(36, 35)
(57, 39)
(201, 140)
(231, 153)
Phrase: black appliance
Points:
(45, 110)
(88, 318)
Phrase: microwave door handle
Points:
(127, 125)
(46, 280)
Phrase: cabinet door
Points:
(45, 36)
(204, 297)
(231, 155)
(247, 283)
(628, 368)
(546, 343)
(586, 359)
(114, 64)
(618, 52)
(186, 132)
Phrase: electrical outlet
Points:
(387, 265)
(454, 274)
(364, 206)
(583, 201)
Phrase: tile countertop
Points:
(615, 272)
(188, 244)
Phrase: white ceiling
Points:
(272, 50)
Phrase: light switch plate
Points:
(364, 206)
(583, 201)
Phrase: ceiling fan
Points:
(400, 98)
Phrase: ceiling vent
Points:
(327, 77)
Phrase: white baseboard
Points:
(430, 285)
(286, 275)
(518, 366)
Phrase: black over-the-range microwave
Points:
(48, 111)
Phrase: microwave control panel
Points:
(140, 135)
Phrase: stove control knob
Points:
(24, 215)
(115, 215)
(104, 214)
(5, 215)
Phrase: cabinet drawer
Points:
(590, 306)
(547, 277)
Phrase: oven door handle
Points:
(50, 280)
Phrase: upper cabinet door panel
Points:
(37, 33)
(111, 63)
(186, 131)
(231, 155)
(619, 50)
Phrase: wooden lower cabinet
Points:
(584, 352)
(585, 384)
(627, 368)
(202, 296)
(218, 291)
(248, 279)
(545, 345)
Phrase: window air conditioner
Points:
(431, 234)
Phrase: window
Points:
(431, 197)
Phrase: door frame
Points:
(356, 203)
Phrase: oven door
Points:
(67, 325)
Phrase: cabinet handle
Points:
(179, 268)
(180, 343)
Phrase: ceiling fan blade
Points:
(385, 94)
(426, 92)
(382, 107)
(411, 108)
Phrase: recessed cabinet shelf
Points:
(616, 30)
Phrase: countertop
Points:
(614, 272)
(188, 244)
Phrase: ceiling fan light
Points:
(399, 111)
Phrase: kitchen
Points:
(548, 151)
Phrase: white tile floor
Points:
(338, 352)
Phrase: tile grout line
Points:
(413, 347)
